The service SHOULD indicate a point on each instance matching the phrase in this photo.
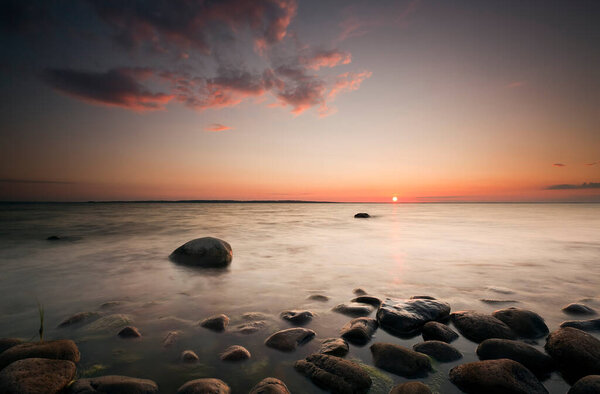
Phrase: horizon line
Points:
(289, 202)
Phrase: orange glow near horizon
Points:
(394, 199)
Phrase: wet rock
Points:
(36, 375)
(255, 316)
(359, 331)
(400, 360)
(411, 388)
(422, 297)
(250, 327)
(537, 362)
(114, 384)
(435, 331)
(478, 327)
(354, 309)
(189, 356)
(578, 309)
(407, 317)
(584, 325)
(318, 297)
(53, 238)
(368, 299)
(334, 347)
(576, 353)
(111, 304)
(334, 374)
(588, 385)
(362, 215)
(129, 332)
(235, 353)
(502, 376)
(63, 349)
(524, 323)
(216, 322)
(288, 340)
(493, 301)
(438, 350)
(207, 252)
(109, 323)
(170, 339)
(204, 386)
(7, 343)
(359, 291)
(270, 386)
(78, 318)
(299, 318)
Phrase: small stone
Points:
(359, 291)
(318, 297)
(189, 356)
(299, 318)
(235, 353)
(524, 323)
(255, 316)
(129, 332)
(578, 309)
(78, 318)
(576, 353)
(537, 362)
(334, 374)
(400, 360)
(422, 297)
(354, 309)
(53, 238)
(63, 349)
(368, 299)
(216, 322)
(440, 351)
(113, 384)
(478, 327)
(250, 327)
(204, 386)
(584, 325)
(270, 386)
(411, 388)
(334, 347)
(170, 339)
(587, 385)
(362, 215)
(36, 375)
(359, 331)
(288, 340)
(435, 331)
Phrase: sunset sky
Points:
(306, 100)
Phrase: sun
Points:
(394, 199)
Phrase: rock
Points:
(189, 356)
(584, 325)
(435, 331)
(578, 309)
(422, 297)
(256, 316)
(111, 304)
(109, 323)
(7, 343)
(288, 340)
(250, 327)
(368, 299)
(270, 386)
(216, 322)
(362, 215)
(537, 362)
(204, 386)
(170, 339)
(318, 297)
(407, 317)
(400, 360)
(478, 327)
(129, 332)
(235, 353)
(299, 318)
(438, 350)
(334, 347)
(502, 376)
(354, 309)
(359, 331)
(524, 323)
(359, 291)
(53, 238)
(78, 318)
(36, 375)
(63, 349)
(113, 384)
(576, 353)
(205, 252)
(496, 301)
(334, 374)
(588, 385)
(411, 388)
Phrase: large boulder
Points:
(588, 385)
(36, 375)
(435, 331)
(576, 353)
(537, 362)
(270, 386)
(334, 347)
(584, 325)
(502, 376)
(438, 350)
(7, 343)
(288, 340)
(113, 384)
(478, 327)
(407, 317)
(359, 331)
(334, 374)
(63, 349)
(400, 360)
(204, 386)
(524, 323)
(205, 252)
(411, 388)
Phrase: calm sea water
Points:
(541, 255)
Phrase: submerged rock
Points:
(362, 215)
(53, 238)
(129, 332)
(537, 362)
(216, 322)
(368, 299)
(235, 353)
(189, 356)
(359, 331)
(502, 376)
(584, 325)
(411, 388)
(334, 374)
(250, 327)
(318, 297)
(576, 353)
(588, 385)
(435, 331)
(7, 343)
(299, 318)
(171, 337)
(400, 360)
(113, 384)
(270, 386)
(407, 317)
(354, 309)
(288, 340)
(359, 291)
(63, 349)
(205, 252)
(334, 347)
(478, 327)
(578, 309)
(524, 323)
(108, 323)
(78, 318)
(36, 375)
(438, 350)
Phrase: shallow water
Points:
(541, 255)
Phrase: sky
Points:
(426, 100)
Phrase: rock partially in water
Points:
(584, 325)
(422, 297)
(359, 331)
(250, 327)
(411, 388)
(359, 291)
(576, 353)
(400, 360)
(207, 252)
(438, 350)
(216, 322)
(129, 332)
(78, 318)
(493, 301)
(114, 384)
(36, 375)
(109, 323)
(502, 376)
(318, 297)
(256, 316)
(362, 215)
(407, 317)
(334, 347)
(436, 331)
(171, 337)
(204, 386)
(334, 374)
(235, 353)
(537, 362)
(578, 309)
(354, 309)
(288, 340)
(53, 238)
(7, 343)
(63, 349)
(524, 323)
(299, 318)
(478, 327)
(588, 385)
(111, 304)
(189, 356)
(368, 299)
(270, 386)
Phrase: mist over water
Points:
(541, 255)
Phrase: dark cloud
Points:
(559, 165)
(585, 185)
(37, 181)
(23, 16)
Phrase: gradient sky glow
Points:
(295, 99)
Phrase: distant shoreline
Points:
(288, 202)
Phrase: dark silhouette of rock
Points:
(299, 318)
(36, 375)
(204, 386)
(206, 252)
(362, 215)
(400, 360)
(7, 343)
(478, 327)
(53, 238)
(584, 325)
(189, 356)
(334, 374)
(114, 384)
(318, 297)
(587, 385)
(359, 331)
(537, 362)
(407, 317)
(129, 332)
(576, 353)
(422, 297)
(502, 376)
(216, 322)
(288, 340)
(354, 309)
(235, 353)
(270, 386)
(578, 309)
(63, 349)
(410, 388)
(359, 291)
(493, 301)
(524, 323)
(435, 331)
(438, 350)
(171, 338)
(368, 299)
(334, 347)
(78, 318)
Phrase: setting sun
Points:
(394, 199)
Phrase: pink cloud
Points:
(516, 84)
(559, 165)
(329, 59)
(347, 82)
(216, 127)
(591, 164)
